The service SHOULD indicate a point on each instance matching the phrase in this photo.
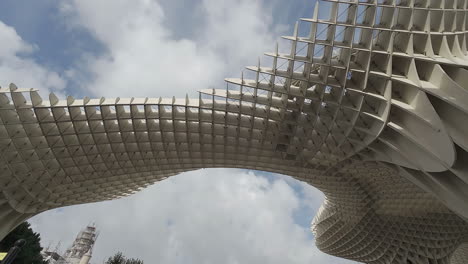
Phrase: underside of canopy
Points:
(370, 107)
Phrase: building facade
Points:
(82, 248)
(80, 252)
(370, 106)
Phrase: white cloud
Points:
(239, 31)
(17, 66)
(145, 58)
(206, 216)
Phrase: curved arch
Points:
(375, 119)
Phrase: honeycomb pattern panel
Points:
(369, 104)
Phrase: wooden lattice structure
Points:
(371, 107)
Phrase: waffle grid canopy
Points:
(370, 106)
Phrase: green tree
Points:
(119, 258)
(31, 252)
(134, 261)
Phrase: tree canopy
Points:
(31, 252)
(119, 258)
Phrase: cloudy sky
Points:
(163, 48)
